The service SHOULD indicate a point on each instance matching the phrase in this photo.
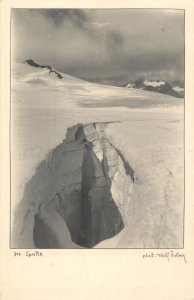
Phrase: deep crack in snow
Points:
(75, 205)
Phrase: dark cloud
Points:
(102, 43)
(115, 38)
(58, 16)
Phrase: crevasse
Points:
(79, 196)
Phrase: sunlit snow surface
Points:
(149, 134)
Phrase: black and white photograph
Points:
(97, 128)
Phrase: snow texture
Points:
(67, 131)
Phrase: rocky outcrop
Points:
(74, 198)
(162, 87)
(32, 63)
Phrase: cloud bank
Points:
(102, 44)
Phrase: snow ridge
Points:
(32, 63)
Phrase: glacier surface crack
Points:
(73, 201)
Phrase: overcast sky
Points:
(92, 44)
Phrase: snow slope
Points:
(148, 135)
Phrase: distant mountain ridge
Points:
(158, 86)
(172, 88)
(32, 63)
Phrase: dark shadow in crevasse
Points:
(90, 214)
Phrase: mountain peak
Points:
(32, 63)
(158, 86)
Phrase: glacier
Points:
(94, 166)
